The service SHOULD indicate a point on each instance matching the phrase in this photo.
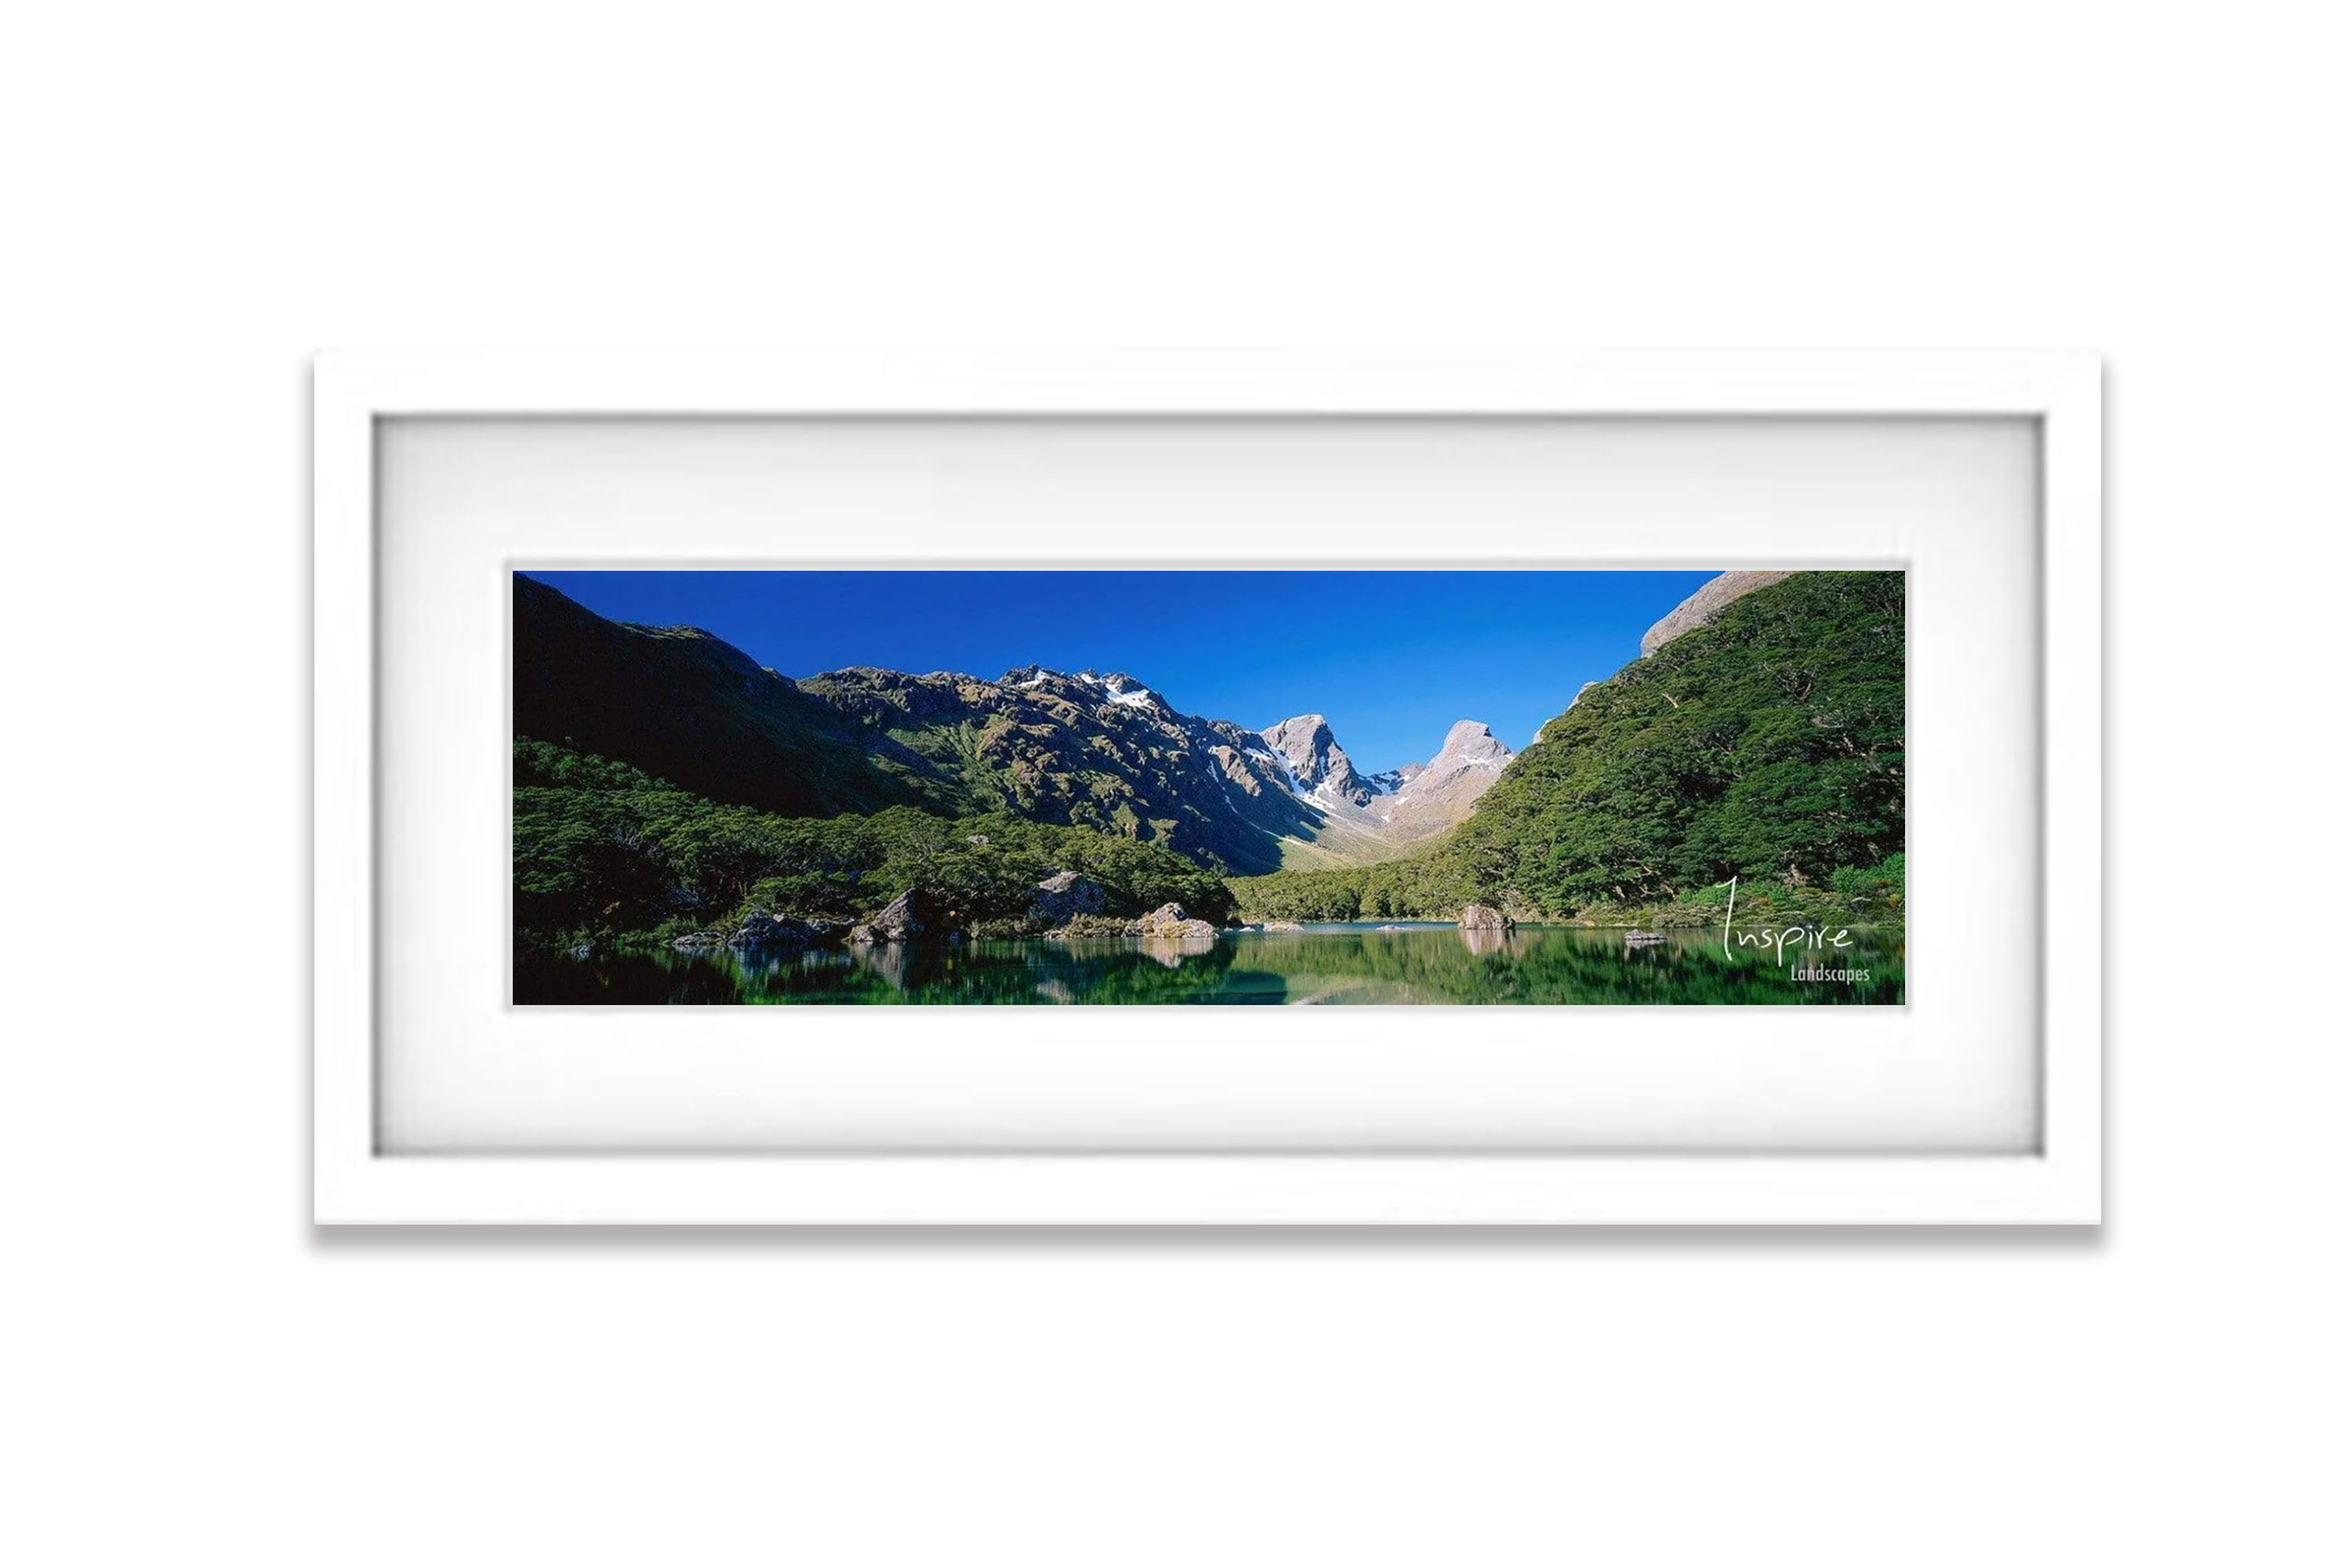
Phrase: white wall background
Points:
(198, 195)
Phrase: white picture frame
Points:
(357, 1181)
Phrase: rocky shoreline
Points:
(1065, 905)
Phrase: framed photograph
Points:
(1433, 789)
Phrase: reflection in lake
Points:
(1354, 963)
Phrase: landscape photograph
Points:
(1101, 787)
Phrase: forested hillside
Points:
(1767, 744)
(604, 853)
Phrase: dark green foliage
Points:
(1768, 744)
(1429, 886)
(602, 850)
(1333, 895)
(1855, 897)
(1882, 883)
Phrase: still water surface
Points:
(1325, 964)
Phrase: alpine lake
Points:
(1401, 963)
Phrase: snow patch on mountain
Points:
(1296, 767)
(1133, 696)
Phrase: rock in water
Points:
(1705, 605)
(1480, 917)
(897, 922)
(1170, 920)
(1065, 895)
(762, 929)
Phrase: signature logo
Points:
(1803, 938)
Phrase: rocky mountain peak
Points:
(1125, 692)
(1306, 729)
(1087, 687)
(1429, 797)
(1310, 754)
(1470, 743)
(1706, 604)
(1465, 765)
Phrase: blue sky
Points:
(1391, 658)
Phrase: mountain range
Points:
(1373, 816)
(1081, 749)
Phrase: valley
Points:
(674, 797)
